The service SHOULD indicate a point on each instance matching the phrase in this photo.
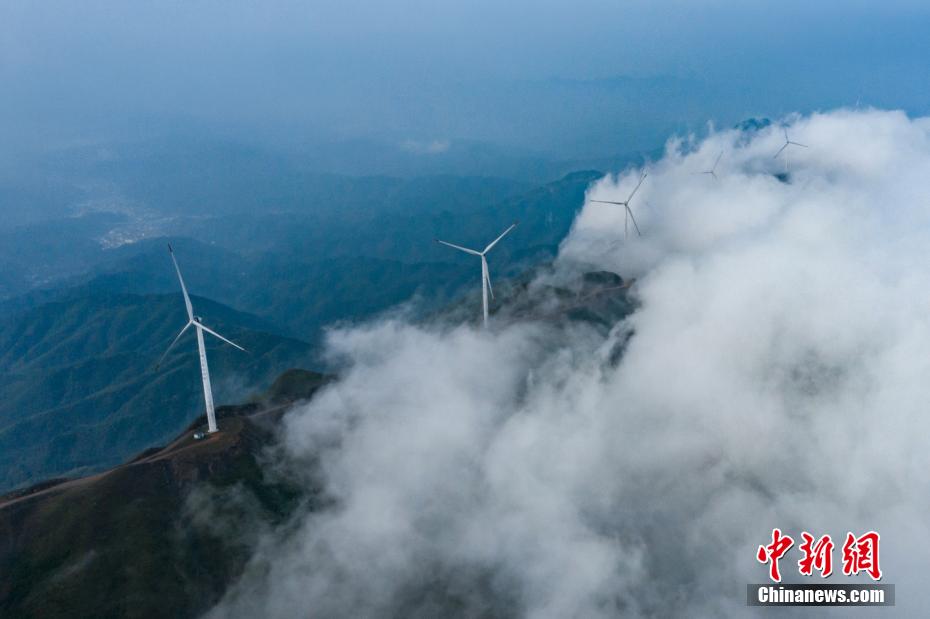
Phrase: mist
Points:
(774, 376)
(582, 81)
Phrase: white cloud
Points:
(434, 147)
(777, 376)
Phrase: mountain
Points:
(167, 533)
(78, 386)
(298, 297)
(399, 222)
(77, 389)
(46, 253)
(250, 202)
(137, 540)
(303, 271)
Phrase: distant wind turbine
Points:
(485, 276)
(626, 205)
(785, 148)
(199, 327)
(713, 170)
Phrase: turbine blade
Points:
(187, 299)
(635, 189)
(488, 278)
(171, 345)
(460, 248)
(635, 226)
(775, 156)
(503, 234)
(716, 161)
(215, 334)
(785, 129)
(608, 202)
(798, 144)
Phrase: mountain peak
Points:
(63, 537)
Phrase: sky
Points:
(581, 79)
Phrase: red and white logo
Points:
(860, 554)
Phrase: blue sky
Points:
(553, 77)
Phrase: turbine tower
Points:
(485, 276)
(199, 327)
(785, 148)
(626, 205)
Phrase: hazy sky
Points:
(446, 70)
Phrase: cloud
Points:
(435, 147)
(776, 376)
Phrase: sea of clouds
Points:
(778, 375)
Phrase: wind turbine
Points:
(629, 213)
(199, 327)
(713, 170)
(485, 276)
(785, 148)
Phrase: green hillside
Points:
(78, 390)
(301, 270)
(78, 387)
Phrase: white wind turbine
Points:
(713, 170)
(785, 148)
(199, 327)
(626, 205)
(485, 276)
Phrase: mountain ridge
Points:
(78, 376)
